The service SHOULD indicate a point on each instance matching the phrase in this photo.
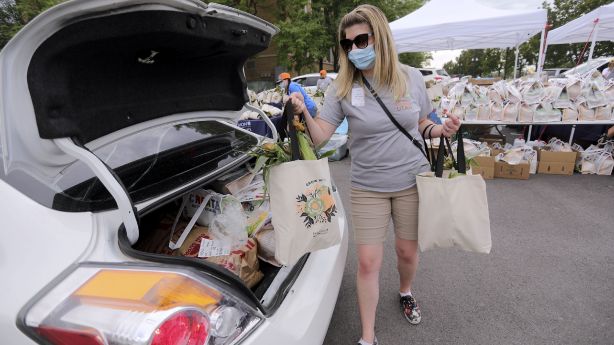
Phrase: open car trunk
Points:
(156, 226)
(134, 100)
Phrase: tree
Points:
(418, 59)
(561, 12)
(14, 14)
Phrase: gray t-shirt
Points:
(383, 158)
(323, 83)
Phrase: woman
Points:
(384, 161)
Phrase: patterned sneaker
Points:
(410, 310)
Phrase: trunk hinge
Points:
(109, 179)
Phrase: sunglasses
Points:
(361, 41)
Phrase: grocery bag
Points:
(305, 215)
(453, 211)
(303, 207)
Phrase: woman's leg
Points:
(367, 286)
(405, 216)
(407, 262)
(370, 219)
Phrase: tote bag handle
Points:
(459, 163)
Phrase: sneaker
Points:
(410, 309)
(362, 342)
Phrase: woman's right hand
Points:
(298, 103)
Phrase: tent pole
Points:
(590, 54)
(516, 61)
(541, 52)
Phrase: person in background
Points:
(607, 72)
(324, 81)
(384, 161)
(291, 87)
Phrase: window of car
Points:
(148, 163)
(311, 81)
(300, 81)
(426, 72)
(443, 72)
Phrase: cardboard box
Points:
(556, 163)
(492, 138)
(485, 167)
(518, 171)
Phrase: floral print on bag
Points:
(316, 205)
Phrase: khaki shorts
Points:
(371, 213)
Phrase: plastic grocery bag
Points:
(510, 112)
(496, 111)
(526, 112)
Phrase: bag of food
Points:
(603, 113)
(483, 111)
(570, 113)
(242, 261)
(585, 113)
(496, 111)
(510, 112)
(526, 112)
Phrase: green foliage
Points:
(418, 59)
(477, 62)
(307, 37)
(14, 14)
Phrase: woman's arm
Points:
(319, 130)
(448, 128)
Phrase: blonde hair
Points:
(387, 72)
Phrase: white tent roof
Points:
(466, 24)
(579, 29)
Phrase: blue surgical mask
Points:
(363, 58)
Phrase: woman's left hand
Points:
(451, 125)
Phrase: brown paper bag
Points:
(243, 262)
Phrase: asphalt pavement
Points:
(549, 278)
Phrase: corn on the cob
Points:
(305, 147)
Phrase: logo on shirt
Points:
(402, 104)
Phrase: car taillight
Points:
(141, 306)
(437, 77)
(189, 328)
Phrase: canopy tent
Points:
(597, 25)
(467, 24)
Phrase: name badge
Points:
(358, 97)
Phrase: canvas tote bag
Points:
(453, 211)
(304, 212)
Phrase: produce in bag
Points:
(496, 111)
(483, 111)
(570, 113)
(526, 112)
(546, 113)
(304, 212)
(585, 113)
(510, 112)
(603, 113)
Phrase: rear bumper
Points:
(304, 316)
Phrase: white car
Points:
(597, 63)
(309, 81)
(436, 74)
(111, 112)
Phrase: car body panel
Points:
(304, 317)
(38, 244)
